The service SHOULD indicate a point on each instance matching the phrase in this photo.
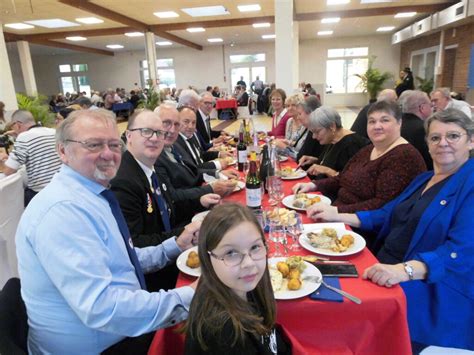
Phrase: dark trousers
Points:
(136, 345)
(29, 194)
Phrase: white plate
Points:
(282, 158)
(233, 162)
(299, 175)
(200, 216)
(181, 263)
(359, 243)
(240, 185)
(306, 288)
(288, 201)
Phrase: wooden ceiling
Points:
(129, 16)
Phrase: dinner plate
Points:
(181, 262)
(199, 217)
(282, 158)
(240, 185)
(307, 287)
(232, 162)
(299, 174)
(288, 201)
(359, 244)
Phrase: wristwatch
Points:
(409, 270)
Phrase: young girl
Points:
(233, 310)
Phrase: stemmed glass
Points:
(275, 190)
(277, 235)
(295, 230)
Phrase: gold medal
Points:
(149, 207)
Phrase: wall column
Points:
(27, 68)
(150, 48)
(7, 89)
(286, 46)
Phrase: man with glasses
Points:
(81, 277)
(203, 122)
(35, 149)
(416, 108)
(145, 200)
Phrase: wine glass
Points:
(275, 190)
(295, 230)
(277, 235)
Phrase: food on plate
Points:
(294, 284)
(294, 274)
(287, 274)
(193, 260)
(328, 239)
(283, 216)
(303, 200)
(310, 258)
(276, 279)
(284, 268)
(229, 160)
(296, 262)
(288, 172)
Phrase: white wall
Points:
(15, 66)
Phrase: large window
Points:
(165, 68)
(73, 78)
(247, 66)
(341, 67)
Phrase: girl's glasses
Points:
(234, 258)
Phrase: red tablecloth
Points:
(223, 104)
(377, 326)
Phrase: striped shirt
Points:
(36, 149)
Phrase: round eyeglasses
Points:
(451, 137)
(96, 146)
(148, 132)
(234, 258)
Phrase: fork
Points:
(337, 290)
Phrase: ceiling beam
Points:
(213, 23)
(83, 33)
(73, 47)
(378, 11)
(176, 39)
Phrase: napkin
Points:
(325, 294)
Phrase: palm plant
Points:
(373, 79)
(425, 85)
(38, 106)
(152, 100)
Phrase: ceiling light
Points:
(76, 38)
(114, 46)
(166, 14)
(89, 20)
(374, 1)
(134, 34)
(325, 33)
(249, 8)
(405, 14)
(53, 23)
(385, 29)
(164, 43)
(338, 2)
(261, 25)
(19, 26)
(206, 11)
(331, 20)
(215, 40)
(195, 29)
(268, 36)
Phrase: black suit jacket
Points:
(207, 166)
(413, 131)
(310, 147)
(201, 128)
(360, 124)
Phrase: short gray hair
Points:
(189, 97)
(164, 106)
(325, 117)
(451, 115)
(310, 104)
(446, 92)
(22, 116)
(413, 99)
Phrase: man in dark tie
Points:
(203, 122)
(145, 200)
(80, 274)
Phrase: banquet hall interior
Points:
(59, 51)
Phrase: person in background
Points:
(3, 122)
(378, 172)
(339, 144)
(234, 310)
(81, 277)
(216, 92)
(295, 130)
(425, 239)
(242, 96)
(310, 146)
(241, 82)
(407, 82)
(280, 113)
(256, 86)
(34, 148)
(203, 108)
(442, 100)
(309, 90)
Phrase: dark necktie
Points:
(176, 155)
(117, 212)
(160, 201)
(208, 127)
(195, 151)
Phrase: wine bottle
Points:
(265, 167)
(241, 152)
(253, 185)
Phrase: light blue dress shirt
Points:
(78, 284)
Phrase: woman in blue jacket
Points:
(426, 238)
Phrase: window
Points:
(342, 67)
(247, 58)
(74, 79)
(166, 74)
(247, 66)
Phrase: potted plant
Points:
(373, 79)
(425, 85)
(152, 100)
(38, 106)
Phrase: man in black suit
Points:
(416, 107)
(146, 203)
(203, 124)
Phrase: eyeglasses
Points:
(209, 103)
(168, 123)
(234, 258)
(96, 146)
(148, 132)
(451, 137)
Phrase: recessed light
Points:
(53, 23)
(249, 8)
(206, 11)
(331, 20)
(19, 26)
(164, 43)
(385, 28)
(215, 40)
(166, 14)
(268, 36)
(76, 38)
(114, 46)
(405, 14)
(195, 29)
(134, 34)
(338, 2)
(89, 20)
(325, 33)
(261, 25)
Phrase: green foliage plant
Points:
(38, 106)
(372, 81)
(152, 99)
(425, 85)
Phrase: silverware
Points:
(341, 292)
